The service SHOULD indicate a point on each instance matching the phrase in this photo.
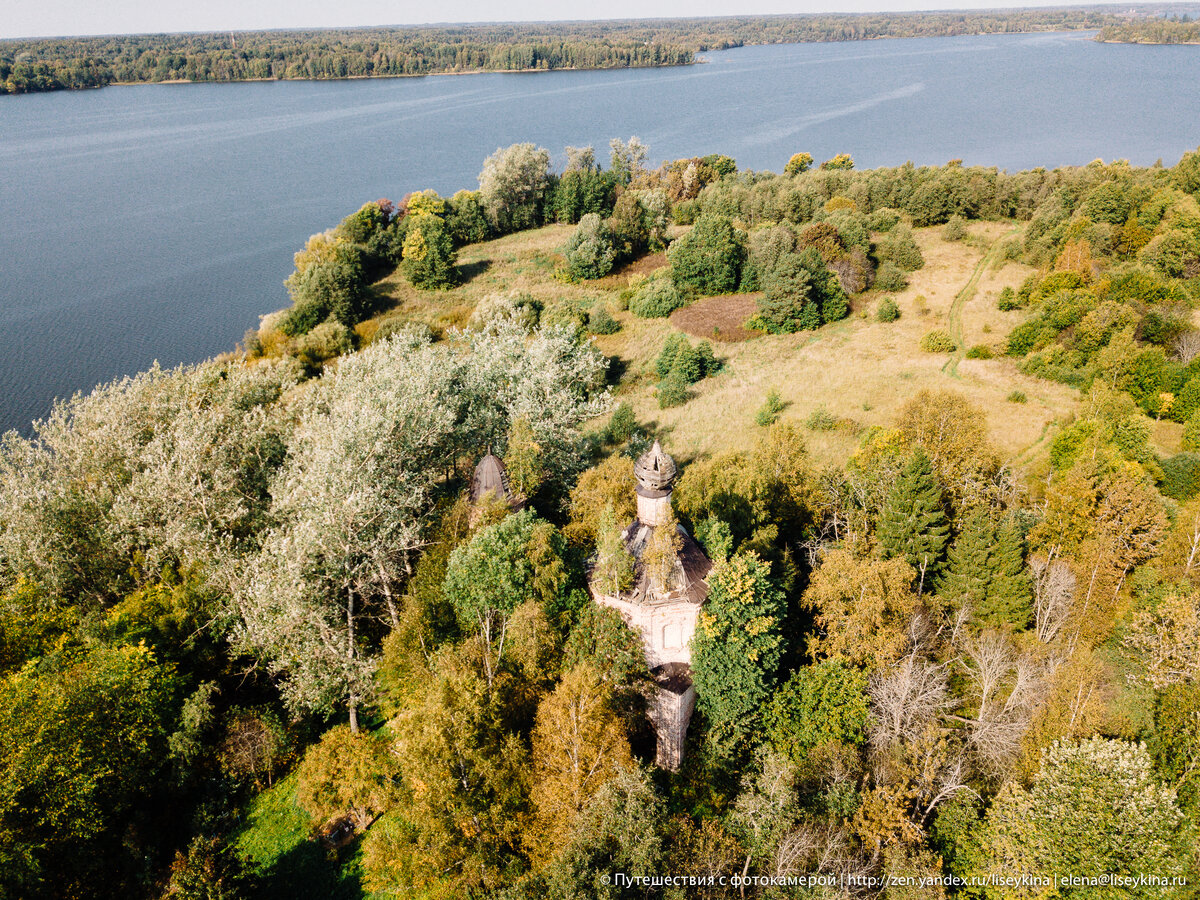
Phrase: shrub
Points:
(672, 391)
(1008, 300)
(768, 413)
(656, 297)
(821, 419)
(980, 351)
(1191, 433)
(955, 229)
(326, 341)
(590, 251)
(889, 277)
(937, 341)
(1181, 476)
(1017, 397)
(601, 321)
(622, 425)
(887, 310)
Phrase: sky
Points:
(43, 18)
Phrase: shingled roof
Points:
(490, 481)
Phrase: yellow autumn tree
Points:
(862, 607)
(578, 746)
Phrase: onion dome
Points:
(655, 472)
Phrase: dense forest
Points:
(256, 640)
(69, 63)
(1181, 30)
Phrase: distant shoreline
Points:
(385, 76)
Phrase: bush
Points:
(326, 341)
(601, 321)
(821, 419)
(656, 297)
(768, 413)
(622, 425)
(898, 246)
(887, 310)
(889, 277)
(980, 351)
(1181, 476)
(955, 229)
(672, 391)
(1191, 433)
(1017, 397)
(937, 341)
(590, 251)
(1008, 300)
(709, 258)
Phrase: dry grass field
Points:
(860, 370)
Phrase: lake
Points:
(159, 221)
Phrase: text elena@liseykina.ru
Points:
(1143, 879)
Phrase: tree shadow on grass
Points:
(309, 871)
(468, 272)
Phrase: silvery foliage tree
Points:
(351, 503)
(370, 441)
(513, 186)
(163, 467)
(551, 379)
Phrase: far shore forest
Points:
(938, 429)
(70, 63)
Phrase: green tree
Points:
(429, 257)
(818, 704)
(513, 186)
(1009, 601)
(467, 779)
(590, 251)
(83, 738)
(466, 218)
(613, 570)
(1094, 808)
(497, 571)
(737, 647)
(788, 303)
(335, 287)
(968, 570)
(709, 257)
(913, 524)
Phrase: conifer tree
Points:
(1009, 595)
(913, 525)
(968, 573)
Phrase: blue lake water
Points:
(159, 221)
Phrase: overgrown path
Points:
(961, 299)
